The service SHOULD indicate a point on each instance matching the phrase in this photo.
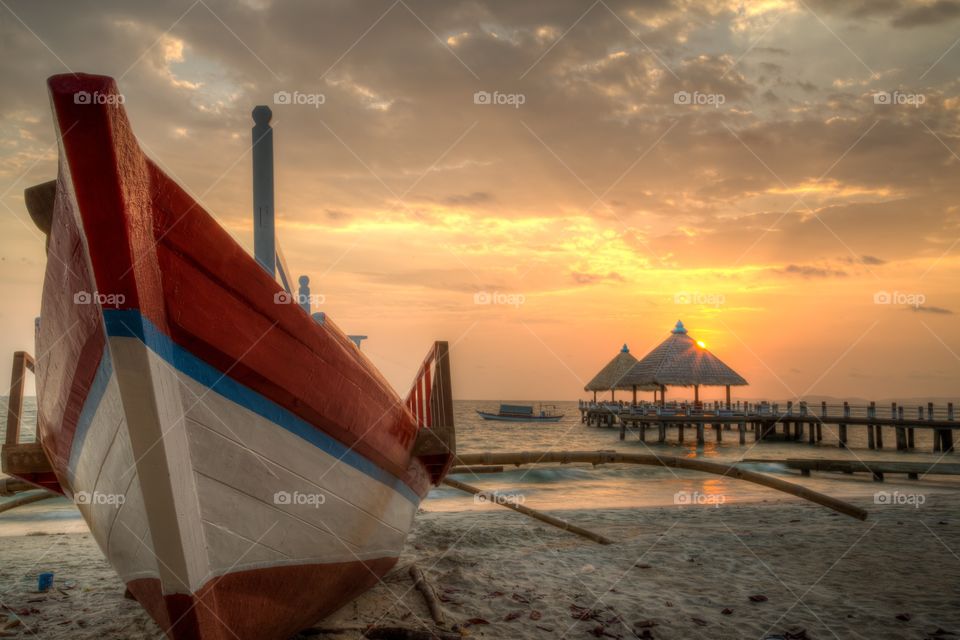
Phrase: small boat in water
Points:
(243, 466)
(523, 413)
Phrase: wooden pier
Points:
(771, 421)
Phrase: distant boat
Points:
(523, 413)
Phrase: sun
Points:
(701, 344)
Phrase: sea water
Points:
(560, 487)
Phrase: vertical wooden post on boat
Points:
(842, 428)
(264, 238)
(871, 443)
(303, 294)
(22, 361)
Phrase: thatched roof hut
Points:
(609, 377)
(682, 362)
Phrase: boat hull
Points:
(245, 470)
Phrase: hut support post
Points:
(728, 396)
(900, 433)
(663, 395)
(842, 428)
(947, 434)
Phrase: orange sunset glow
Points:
(540, 186)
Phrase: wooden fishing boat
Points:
(523, 413)
(244, 468)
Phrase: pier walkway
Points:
(772, 421)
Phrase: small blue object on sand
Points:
(45, 581)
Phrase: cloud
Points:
(473, 198)
(929, 309)
(593, 278)
(928, 14)
(808, 271)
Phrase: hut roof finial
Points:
(624, 348)
(679, 328)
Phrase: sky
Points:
(540, 183)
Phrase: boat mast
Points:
(264, 238)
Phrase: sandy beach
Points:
(730, 571)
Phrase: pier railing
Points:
(766, 418)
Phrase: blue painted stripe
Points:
(131, 324)
(97, 388)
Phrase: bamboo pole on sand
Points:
(25, 500)
(492, 496)
(604, 457)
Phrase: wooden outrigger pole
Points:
(518, 458)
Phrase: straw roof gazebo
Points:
(610, 376)
(680, 361)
